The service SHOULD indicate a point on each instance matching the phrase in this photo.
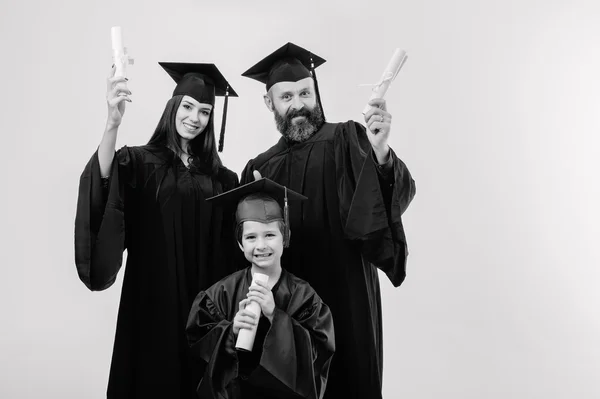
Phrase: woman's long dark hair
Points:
(202, 148)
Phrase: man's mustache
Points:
(298, 112)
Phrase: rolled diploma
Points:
(389, 74)
(245, 339)
(119, 57)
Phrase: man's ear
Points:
(268, 102)
(241, 247)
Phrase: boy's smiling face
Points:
(262, 243)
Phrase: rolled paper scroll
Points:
(388, 76)
(120, 57)
(245, 339)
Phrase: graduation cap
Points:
(202, 82)
(289, 63)
(260, 201)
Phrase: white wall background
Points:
(496, 113)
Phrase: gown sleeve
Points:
(372, 201)
(210, 338)
(247, 176)
(100, 220)
(297, 351)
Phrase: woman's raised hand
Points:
(116, 95)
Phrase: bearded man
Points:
(351, 225)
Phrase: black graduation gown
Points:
(290, 357)
(350, 223)
(176, 242)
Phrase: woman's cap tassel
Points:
(224, 120)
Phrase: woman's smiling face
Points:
(191, 118)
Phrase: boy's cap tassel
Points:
(286, 220)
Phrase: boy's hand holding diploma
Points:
(244, 318)
(261, 294)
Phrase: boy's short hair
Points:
(239, 230)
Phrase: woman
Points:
(151, 200)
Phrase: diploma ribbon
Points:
(387, 78)
(389, 74)
(124, 58)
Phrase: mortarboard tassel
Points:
(314, 75)
(286, 220)
(222, 135)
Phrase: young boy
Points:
(294, 340)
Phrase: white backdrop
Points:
(496, 113)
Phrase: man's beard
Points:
(300, 131)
